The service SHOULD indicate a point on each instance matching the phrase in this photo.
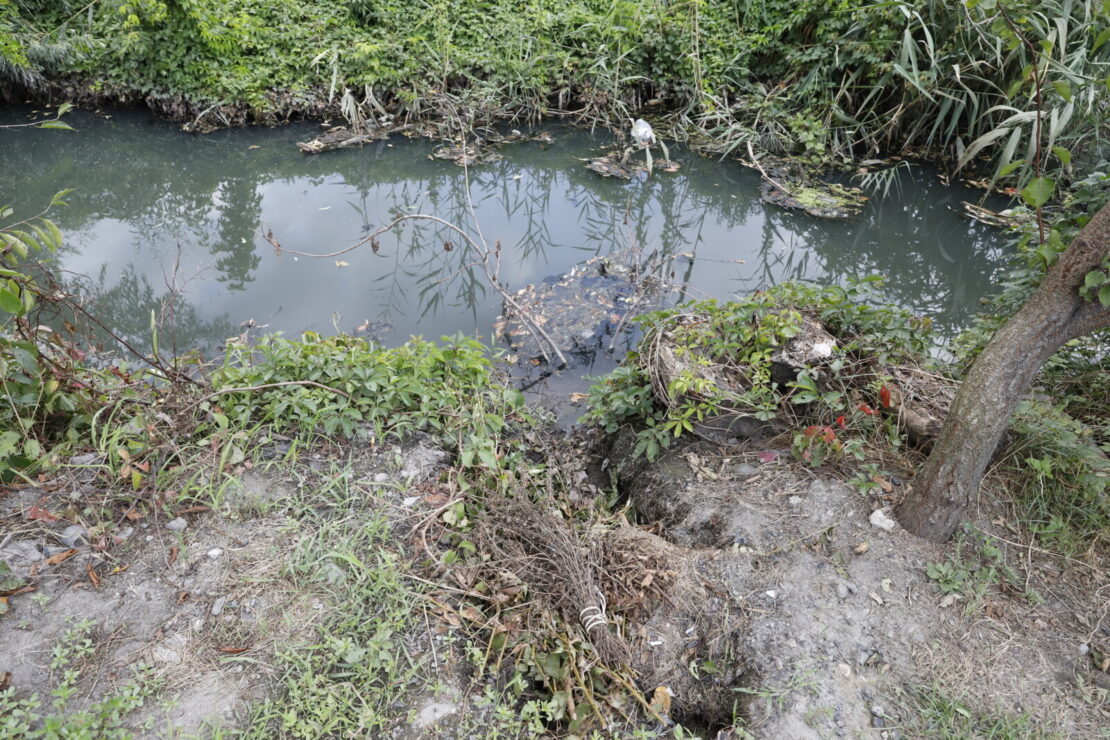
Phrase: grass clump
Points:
(345, 677)
(936, 714)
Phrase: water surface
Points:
(155, 207)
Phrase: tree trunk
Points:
(1054, 314)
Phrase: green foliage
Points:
(816, 77)
(742, 336)
(1061, 477)
(975, 567)
(348, 387)
(41, 398)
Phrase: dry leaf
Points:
(5, 680)
(172, 556)
(861, 548)
(578, 397)
(119, 569)
(233, 650)
(472, 614)
(17, 591)
(37, 512)
(94, 579)
(883, 483)
(133, 514)
(876, 598)
(61, 557)
(182, 597)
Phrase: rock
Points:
(742, 470)
(169, 651)
(429, 714)
(842, 590)
(215, 553)
(177, 525)
(877, 710)
(74, 536)
(883, 521)
(218, 606)
(19, 554)
(124, 533)
(381, 477)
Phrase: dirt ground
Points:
(790, 607)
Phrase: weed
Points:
(936, 714)
(975, 567)
(24, 717)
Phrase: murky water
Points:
(155, 207)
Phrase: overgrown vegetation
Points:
(818, 78)
(725, 354)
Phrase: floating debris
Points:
(580, 309)
(1004, 218)
(340, 137)
(466, 156)
(787, 185)
(614, 164)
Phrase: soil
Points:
(773, 596)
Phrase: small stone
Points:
(771, 594)
(149, 538)
(744, 470)
(883, 521)
(89, 458)
(381, 477)
(877, 710)
(74, 536)
(177, 525)
(432, 713)
(842, 590)
(878, 722)
(794, 501)
(1084, 648)
(218, 606)
(125, 533)
(215, 553)
(409, 501)
(845, 669)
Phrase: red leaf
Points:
(884, 397)
(811, 431)
(840, 420)
(829, 435)
(866, 409)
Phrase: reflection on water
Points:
(154, 207)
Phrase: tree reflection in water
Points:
(143, 188)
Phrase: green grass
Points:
(347, 678)
(938, 715)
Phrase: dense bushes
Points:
(810, 76)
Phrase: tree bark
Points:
(1054, 314)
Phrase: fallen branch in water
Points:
(488, 258)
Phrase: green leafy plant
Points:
(738, 340)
